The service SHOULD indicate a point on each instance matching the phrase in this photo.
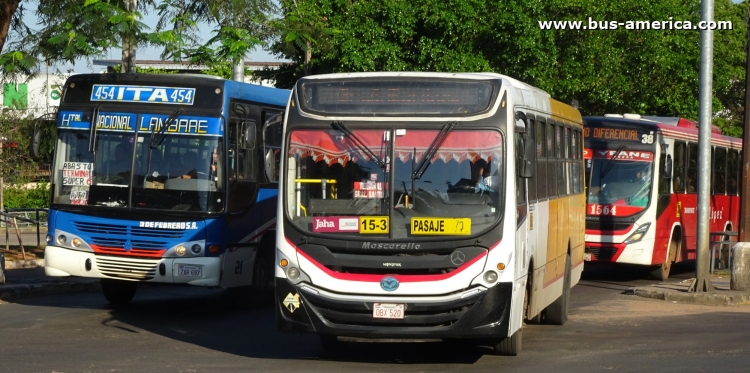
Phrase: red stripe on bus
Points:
(377, 278)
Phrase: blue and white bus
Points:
(165, 179)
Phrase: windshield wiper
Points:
(157, 138)
(436, 144)
(92, 130)
(611, 163)
(358, 142)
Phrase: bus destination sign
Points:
(618, 134)
(147, 94)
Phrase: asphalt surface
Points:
(24, 281)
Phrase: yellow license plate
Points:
(373, 224)
(438, 226)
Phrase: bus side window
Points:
(541, 162)
(551, 163)
(272, 147)
(531, 136)
(718, 171)
(691, 183)
(678, 169)
(732, 172)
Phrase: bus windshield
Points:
(620, 181)
(127, 170)
(333, 179)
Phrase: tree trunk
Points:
(128, 44)
(7, 10)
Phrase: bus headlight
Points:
(49, 239)
(196, 249)
(61, 239)
(490, 277)
(292, 273)
(638, 234)
(76, 242)
(180, 250)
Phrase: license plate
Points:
(388, 311)
(189, 271)
(587, 257)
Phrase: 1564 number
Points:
(602, 210)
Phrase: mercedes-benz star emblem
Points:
(458, 258)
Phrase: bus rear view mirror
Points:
(667, 171)
(248, 135)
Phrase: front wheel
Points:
(510, 346)
(557, 312)
(661, 272)
(118, 292)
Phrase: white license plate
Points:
(587, 257)
(189, 271)
(388, 311)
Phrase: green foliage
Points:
(35, 196)
(16, 165)
(652, 72)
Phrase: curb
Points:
(9, 292)
(29, 263)
(719, 298)
(55, 286)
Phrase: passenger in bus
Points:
(190, 162)
(121, 160)
(643, 180)
(482, 171)
(691, 184)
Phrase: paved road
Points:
(202, 330)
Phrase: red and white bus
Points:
(642, 189)
(427, 206)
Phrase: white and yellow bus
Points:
(427, 206)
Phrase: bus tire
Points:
(661, 272)
(260, 292)
(536, 319)
(509, 346)
(557, 312)
(118, 292)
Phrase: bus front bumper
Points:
(305, 309)
(199, 271)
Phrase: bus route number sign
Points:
(373, 224)
(441, 226)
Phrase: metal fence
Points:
(24, 218)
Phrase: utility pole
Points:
(740, 278)
(702, 283)
(745, 191)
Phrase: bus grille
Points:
(602, 254)
(357, 313)
(125, 230)
(136, 269)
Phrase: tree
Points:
(71, 30)
(607, 70)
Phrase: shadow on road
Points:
(213, 319)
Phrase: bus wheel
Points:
(118, 292)
(527, 301)
(557, 312)
(510, 346)
(661, 272)
(261, 290)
